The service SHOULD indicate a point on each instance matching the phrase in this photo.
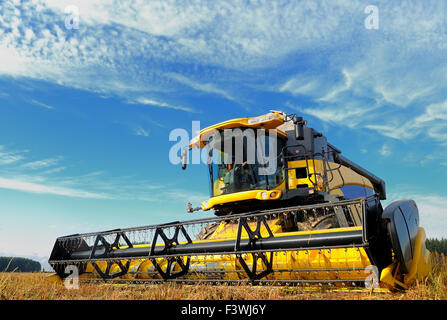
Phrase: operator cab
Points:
(242, 161)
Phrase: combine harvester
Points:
(315, 219)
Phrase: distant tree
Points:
(10, 264)
(437, 245)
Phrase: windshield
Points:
(245, 160)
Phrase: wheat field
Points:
(33, 286)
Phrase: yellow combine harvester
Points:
(303, 214)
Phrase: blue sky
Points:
(85, 114)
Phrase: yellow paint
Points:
(420, 266)
(54, 278)
(273, 194)
(306, 264)
(268, 121)
(338, 258)
(338, 176)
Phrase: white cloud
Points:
(302, 85)
(205, 87)
(41, 104)
(54, 170)
(392, 131)
(111, 34)
(141, 132)
(10, 157)
(232, 34)
(142, 47)
(12, 61)
(349, 114)
(432, 121)
(25, 186)
(436, 111)
(432, 209)
(185, 195)
(41, 163)
(385, 150)
(151, 102)
(374, 83)
(330, 96)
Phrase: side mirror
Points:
(299, 128)
(184, 158)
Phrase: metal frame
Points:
(253, 237)
(169, 243)
(159, 253)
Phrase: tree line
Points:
(13, 264)
(437, 245)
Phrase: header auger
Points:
(290, 209)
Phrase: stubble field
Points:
(33, 286)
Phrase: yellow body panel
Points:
(338, 176)
(420, 266)
(273, 194)
(310, 264)
(341, 265)
(268, 122)
(305, 265)
(314, 170)
(53, 278)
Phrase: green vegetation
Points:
(436, 245)
(12, 264)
